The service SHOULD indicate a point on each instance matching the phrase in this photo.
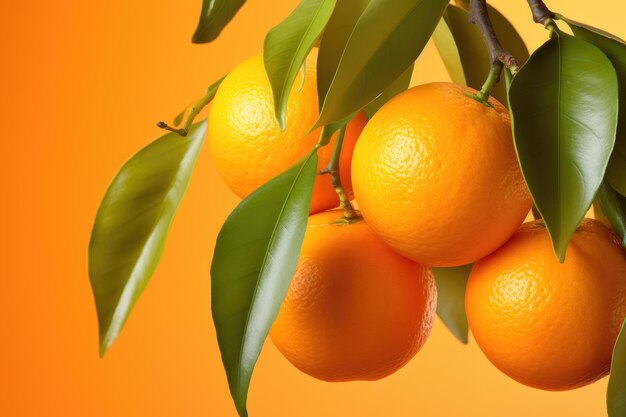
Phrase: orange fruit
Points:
(246, 144)
(545, 324)
(355, 309)
(436, 176)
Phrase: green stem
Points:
(333, 169)
(492, 79)
(195, 109)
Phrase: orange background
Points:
(82, 85)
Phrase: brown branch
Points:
(541, 13)
(497, 54)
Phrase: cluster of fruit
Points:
(436, 179)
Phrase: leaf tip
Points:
(242, 410)
(280, 119)
(559, 251)
(104, 346)
(197, 37)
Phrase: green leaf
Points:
(564, 115)
(616, 392)
(255, 258)
(178, 119)
(287, 46)
(613, 206)
(334, 40)
(386, 39)
(395, 88)
(471, 49)
(448, 50)
(132, 225)
(451, 284)
(214, 16)
(615, 49)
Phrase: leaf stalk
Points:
(195, 109)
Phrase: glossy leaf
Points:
(395, 88)
(386, 39)
(287, 46)
(451, 284)
(132, 224)
(616, 392)
(214, 16)
(564, 115)
(615, 49)
(332, 44)
(613, 206)
(471, 49)
(255, 258)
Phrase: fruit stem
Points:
(333, 169)
(195, 109)
(492, 79)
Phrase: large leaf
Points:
(613, 206)
(387, 37)
(287, 46)
(132, 224)
(615, 49)
(395, 88)
(616, 392)
(564, 114)
(336, 36)
(451, 284)
(255, 258)
(214, 16)
(448, 50)
(471, 48)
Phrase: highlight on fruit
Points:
(369, 205)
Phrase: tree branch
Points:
(541, 13)
(498, 55)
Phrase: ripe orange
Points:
(246, 144)
(436, 176)
(545, 324)
(355, 309)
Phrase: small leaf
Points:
(471, 49)
(616, 392)
(451, 284)
(178, 119)
(613, 206)
(395, 88)
(132, 224)
(615, 49)
(287, 46)
(386, 39)
(564, 114)
(214, 16)
(255, 258)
